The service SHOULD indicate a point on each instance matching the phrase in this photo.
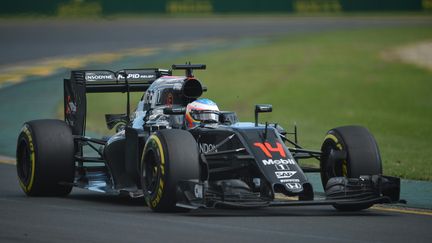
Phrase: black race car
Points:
(222, 163)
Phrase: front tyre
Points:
(45, 158)
(169, 156)
(349, 151)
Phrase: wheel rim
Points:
(340, 168)
(151, 171)
(24, 162)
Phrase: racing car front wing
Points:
(377, 189)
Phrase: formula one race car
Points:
(180, 152)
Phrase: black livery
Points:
(226, 164)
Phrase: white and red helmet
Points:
(201, 111)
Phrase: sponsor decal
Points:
(177, 86)
(198, 191)
(284, 174)
(256, 182)
(282, 167)
(95, 77)
(268, 149)
(71, 106)
(137, 76)
(158, 197)
(289, 180)
(294, 185)
(148, 96)
(207, 147)
(278, 162)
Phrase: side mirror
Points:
(113, 120)
(174, 111)
(262, 108)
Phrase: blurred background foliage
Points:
(94, 8)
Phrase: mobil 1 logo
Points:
(278, 162)
(282, 167)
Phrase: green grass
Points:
(321, 81)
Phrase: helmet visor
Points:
(205, 116)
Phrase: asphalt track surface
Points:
(92, 217)
(26, 41)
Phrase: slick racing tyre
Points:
(349, 151)
(45, 158)
(169, 156)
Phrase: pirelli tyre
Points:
(45, 158)
(351, 152)
(169, 156)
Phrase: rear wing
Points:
(100, 81)
(82, 82)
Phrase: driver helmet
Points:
(201, 111)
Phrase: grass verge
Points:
(320, 81)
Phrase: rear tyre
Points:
(169, 156)
(349, 151)
(45, 158)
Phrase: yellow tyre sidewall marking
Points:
(155, 200)
(340, 147)
(29, 186)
